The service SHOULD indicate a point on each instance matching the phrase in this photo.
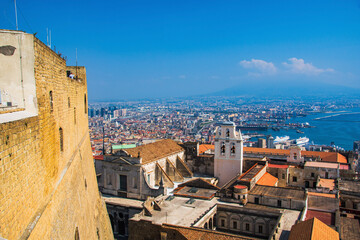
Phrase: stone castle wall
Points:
(48, 191)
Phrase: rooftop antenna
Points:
(17, 27)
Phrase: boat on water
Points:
(299, 131)
(302, 141)
(281, 139)
(246, 137)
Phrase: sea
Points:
(342, 127)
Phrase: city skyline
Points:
(144, 50)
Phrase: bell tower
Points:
(228, 152)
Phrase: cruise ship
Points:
(281, 139)
(302, 141)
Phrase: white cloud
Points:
(260, 65)
(182, 76)
(299, 66)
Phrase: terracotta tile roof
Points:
(267, 151)
(327, 183)
(99, 157)
(203, 234)
(321, 165)
(328, 195)
(154, 151)
(313, 229)
(267, 180)
(277, 166)
(325, 156)
(204, 147)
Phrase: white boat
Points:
(302, 141)
(246, 137)
(281, 139)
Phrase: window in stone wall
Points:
(283, 176)
(247, 226)
(234, 225)
(312, 174)
(85, 103)
(222, 221)
(294, 179)
(68, 101)
(122, 182)
(260, 229)
(134, 182)
(279, 203)
(51, 101)
(61, 136)
(77, 235)
(108, 179)
(227, 133)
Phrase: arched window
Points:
(260, 228)
(233, 149)
(222, 150)
(61, 135)
(68, 101)
(227, 133)
(51, 101)
(85, 103)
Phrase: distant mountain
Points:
(279, 89)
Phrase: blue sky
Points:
(137, 49)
